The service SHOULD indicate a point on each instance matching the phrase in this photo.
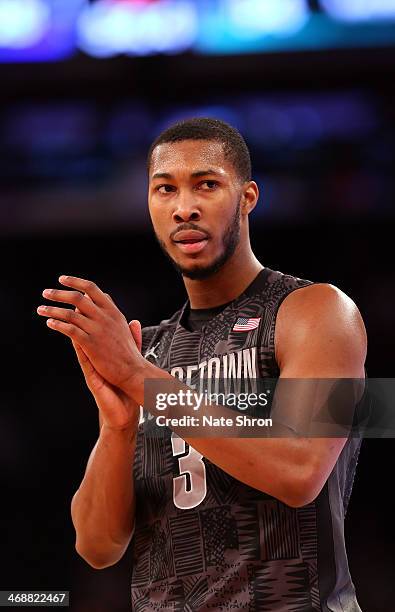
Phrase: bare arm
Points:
(103, 507)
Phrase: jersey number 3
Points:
(188, 494)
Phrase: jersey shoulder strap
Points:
(158, 337)
(277, 286)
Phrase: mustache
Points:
(189, 226)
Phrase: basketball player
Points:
(224, 523)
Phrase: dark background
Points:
(73, 138)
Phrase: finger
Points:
(108, 296)
(68, 315)
(135, 328)
(69, 330)
(93, 380)
(86, 286)
(83, 360)
(87, 297)
(76, 298)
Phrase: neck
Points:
(226, 284)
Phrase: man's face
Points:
(194, 202)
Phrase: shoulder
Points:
(317, 319)
(315, 300)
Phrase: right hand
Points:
(117, 410)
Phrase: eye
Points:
(164, 189)
(208, 185)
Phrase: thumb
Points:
(135, 328)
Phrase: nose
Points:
(186, 210)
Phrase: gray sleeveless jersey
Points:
(228, 546)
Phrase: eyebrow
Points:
(197, 174)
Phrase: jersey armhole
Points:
(276, 366)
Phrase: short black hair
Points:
(206, 128)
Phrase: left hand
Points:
(97, 326)
(117, 410)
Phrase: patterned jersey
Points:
(229, 546)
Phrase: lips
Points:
(190, 241)
(188, 236)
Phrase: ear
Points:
(249, 197)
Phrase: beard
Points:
(230, 241)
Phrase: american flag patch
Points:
(243, 324)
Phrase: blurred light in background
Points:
(42, 129)
(38, 30)
(23, 22)
(360, 10)
(45, 30)
(111, 27)
(252, 18)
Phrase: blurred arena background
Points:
(85, 87)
